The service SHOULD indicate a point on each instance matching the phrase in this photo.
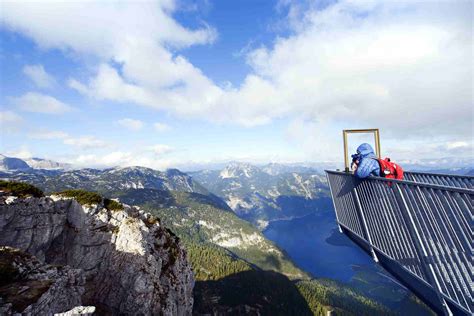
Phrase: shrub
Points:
(89, 198)
(20, 189)
(82, 196)
(112, 205)
(150, 221)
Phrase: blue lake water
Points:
(305, 240)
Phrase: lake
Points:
(305, 239)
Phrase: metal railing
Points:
(458, 181)
(422, 233)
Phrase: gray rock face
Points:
(37, 288)
(131, 264)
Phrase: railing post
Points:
(333, 202)
(419, 246)
(363, 223)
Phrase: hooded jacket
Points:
(368, 164)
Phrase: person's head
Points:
(365, 150)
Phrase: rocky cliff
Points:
(120, 261)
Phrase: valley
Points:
(283, 234)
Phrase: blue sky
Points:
(172, 83)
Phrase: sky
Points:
(171, 83)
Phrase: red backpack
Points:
(390, 169)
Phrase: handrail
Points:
(458, 181)
(442, 174)
(409, 182)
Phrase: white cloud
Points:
(86, 142)
(131, 124)
(160, 149)
(41, 103)
(9, 117)
(405, 67)
(161, 127)
(347, 63)
(23, 152)
(39, 76)
(458, 145)
(10, 122)
(42, 134)
(123, 159)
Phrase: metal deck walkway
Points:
(421, 231)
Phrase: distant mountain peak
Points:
(239, 170)
(39, 163)
(17, 164)
(11, 164)
(132, 169)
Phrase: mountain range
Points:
(271, 192)
(17, 164)
(219, 216)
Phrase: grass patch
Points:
(90, 198)
(20, 189)
(113, 205)
(82, 196)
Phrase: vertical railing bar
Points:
(457, 268)
(415, 204)
(467, 216)
(333, 202)
(469, 183)
(355, 214)
(461, 237)
(364, 225)
(440, 245)
(379, 215)
(347, 206)
(404, 246)
(350, 209)
(350, 200)
(445, 181)
(380, 224)
(369, 222)
(398, 253)
(428, 227)
(430, 273)
(404, 232)
(371, 226)
(343, 203)
(452, 182)
(449, 256)
(355, 219)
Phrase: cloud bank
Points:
(39, 76)
(405, 67)
(41, 103)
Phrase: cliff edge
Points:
(121, 260)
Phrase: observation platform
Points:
(419, 229)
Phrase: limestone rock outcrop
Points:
(36, 288)
(129, 262)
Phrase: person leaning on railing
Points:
(364, 162)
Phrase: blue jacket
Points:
(367, 166)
